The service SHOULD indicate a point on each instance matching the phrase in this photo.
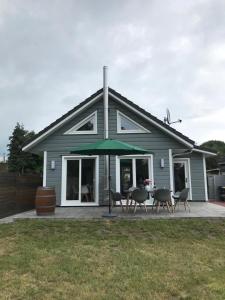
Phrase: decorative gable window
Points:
(86, 126)
(127, 125)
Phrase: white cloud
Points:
(182, 45)
(160, 54)
(216, 54)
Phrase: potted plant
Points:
(147, 183)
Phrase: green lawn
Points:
(144, 259)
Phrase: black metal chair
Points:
(116, 197)
(139, 196)
(182, 197)
(162, 197)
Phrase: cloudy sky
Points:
(160, 54)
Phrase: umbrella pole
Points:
(109, 184)
(109, 214)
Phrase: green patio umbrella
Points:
(109, 147)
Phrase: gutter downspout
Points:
(183, 153)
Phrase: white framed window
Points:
(127, 125)
(86, 126)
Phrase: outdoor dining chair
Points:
(139, 196)
(182, 197)
(162, 197)
(116, 197)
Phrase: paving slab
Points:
(198, 210)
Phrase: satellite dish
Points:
(168, 115)
(167, 119)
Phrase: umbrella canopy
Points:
(109, 147)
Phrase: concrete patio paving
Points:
(198, 210)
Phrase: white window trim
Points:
(189, 171)
(141, 130)
(45, 157)
(74, 130)
(205, 179)
(65, 202)
(171, 170)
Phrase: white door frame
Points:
(187, 169)
(78, 202)
(150, 169)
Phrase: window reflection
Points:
(72, 180)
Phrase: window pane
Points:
(72, 180)
(126, 175)
(126, 124)
(141, 171)
(87, 126)
(179, 176)
(88, 180)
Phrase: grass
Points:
(144, 259)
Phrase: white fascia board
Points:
(204, 152)
(45, 134)
(152, 121)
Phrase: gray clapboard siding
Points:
(157, 141)
(58, 144)
(197, 177)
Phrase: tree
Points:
(219, 147)
(18, 160)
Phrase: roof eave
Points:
(188, 144)
(58, 125)
(205, 152)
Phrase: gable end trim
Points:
(151, 121)
(45, 134)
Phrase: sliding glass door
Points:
(79, 181)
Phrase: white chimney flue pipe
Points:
(106, 102)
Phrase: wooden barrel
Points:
(45, 201)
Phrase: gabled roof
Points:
(150, 116)
(64, 118)
(115, 95)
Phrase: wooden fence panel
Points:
(17, 193)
